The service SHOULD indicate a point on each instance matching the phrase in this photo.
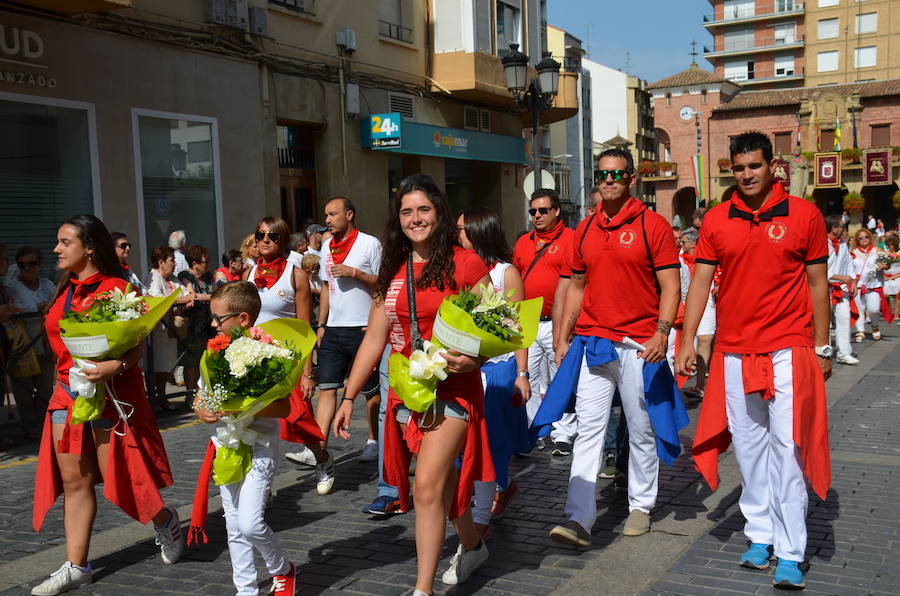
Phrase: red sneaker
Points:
(283, 585)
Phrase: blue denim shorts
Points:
(448, 409)
(60, 416)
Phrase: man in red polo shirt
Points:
(541, 258)
(767, 374)
(624, 291)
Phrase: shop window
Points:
(881, 135)
(783, 143)
(178, 189)
(47, 162)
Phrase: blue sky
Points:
(656, 33)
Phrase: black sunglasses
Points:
(220, 319)
(273, 236)
(27, 264)
(618, 175)
(542, 210)
(123, 245)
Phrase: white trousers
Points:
(244, 504)
(871, 302)
(542, 368)
(841, 314)
(773, 489)
(594, 395)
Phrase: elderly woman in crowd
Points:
(123, 251)
(232, 268)
(250, 252)
(164, 336)
(198, 281)
(31, 293)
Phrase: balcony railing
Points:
(766, 42)
(744, 16)
(394, 31)
(766, 75)
(304, 6)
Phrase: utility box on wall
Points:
(227, 13)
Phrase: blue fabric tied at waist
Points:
(664, 406)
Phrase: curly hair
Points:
(397, 247)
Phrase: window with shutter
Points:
(470, 118)
(881, 135)
(508, 25)
(865, 57)
(45, 174)
(483, 35)
(829, 28)
(867, 23)
(783, 144)
(485, 121)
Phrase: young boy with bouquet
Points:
(234, 307)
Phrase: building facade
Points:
(207, 116)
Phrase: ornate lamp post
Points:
(535, 95)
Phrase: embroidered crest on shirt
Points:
(626, 237)
(553, 249)
(776, 231)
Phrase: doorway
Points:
(296, 167)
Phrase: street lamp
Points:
(536, 95)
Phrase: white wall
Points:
(609, 101)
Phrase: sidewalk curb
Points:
(637, 563)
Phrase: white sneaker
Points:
(304, 457)
(463, 563)
(369, 452)
(847, 360)
(169, 538)
(325, 475)
(62, 580)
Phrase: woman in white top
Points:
(869, 283)
(892, 275)
(30, 293)
(505, 378)
(162, 338)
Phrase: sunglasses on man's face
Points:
(617, 175)
(123, 245)
(542, 210)
(27, 264)
(273, 236)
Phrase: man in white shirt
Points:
(843, 288)
(349, 271)
(314, 239)
(177, 242)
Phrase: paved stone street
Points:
(692, 549)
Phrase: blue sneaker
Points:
(384, 506)
(788, 576)
(757, 556)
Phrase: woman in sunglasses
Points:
(870, 292)
(31, 293)
(123, 251)
(422, 264)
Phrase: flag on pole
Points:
(697, 163)
(837, 134)
(853, 119)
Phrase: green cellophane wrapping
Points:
(115, 339)
(454, 329)
(232, 465)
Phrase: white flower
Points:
(490, 299)
(122, 301)
(245, 353)
(128, 314)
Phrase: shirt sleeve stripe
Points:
(707, 261)
(823, 259)
(578, 271)
(672, 266)
(565, 276)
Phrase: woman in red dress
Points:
(421, 230)
(130, 460)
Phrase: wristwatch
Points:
(824, 351)
(123, 366)
(523, 373)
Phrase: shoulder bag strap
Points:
(415, 336)
(540, 253)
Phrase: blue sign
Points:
(455, 143)
(385, 131)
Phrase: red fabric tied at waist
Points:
(837, 294)
(885, 306)
(758, 375)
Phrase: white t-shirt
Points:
(349, 300)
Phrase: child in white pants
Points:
(236, 304)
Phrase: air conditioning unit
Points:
(227, 13)
(470, 118)
(404, 103)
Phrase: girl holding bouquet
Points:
(870, 297)
(132, 465)
(420, 237)
(505, 378)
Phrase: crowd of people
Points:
(740, 309)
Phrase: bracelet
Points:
(355, 271)
(308, 377)
(350, 399)
(123, 366)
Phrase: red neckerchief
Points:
(776, 196)
(124, 266)
(341, 248)
(836, 243)
(689, 260)
(83, 296)
(631, 209)
(267, 273)
(544, 238)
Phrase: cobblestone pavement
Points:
(339, 549)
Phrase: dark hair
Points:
(159, 254)
(240, 296)
(348, 204)
(621, 153)
(832, 221)
(750, 141)
(116, 236)
(29, 250)
(485, 232)
(892, 240)
(93, 234)
(546, 192)
(439, 269)
(280, 227)
(230, 255)
(699, 213)
(195, 253)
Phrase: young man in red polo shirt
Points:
(767, 374)
(541, 258)
(624, 288)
